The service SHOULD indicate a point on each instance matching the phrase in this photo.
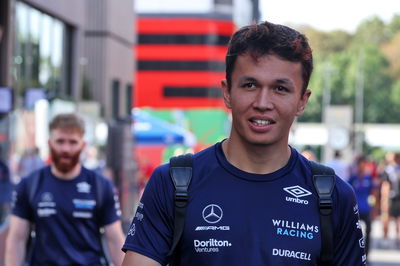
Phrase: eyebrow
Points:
(285, 81)
(246, 78)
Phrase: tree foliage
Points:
(364, 63)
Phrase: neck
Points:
(74, 172)
(256, 159)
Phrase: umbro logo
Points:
(297, 192)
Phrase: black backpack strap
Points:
(100, 184)
(99, 191)
(180, 170)
(33, 184)
(324, 182)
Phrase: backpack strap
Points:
(99, 191)
(324, 183)
(33, 184)
(180, 170)
(100, 186)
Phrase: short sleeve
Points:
(110, 210)
(151, 230)
(21, 206)
(349, 241)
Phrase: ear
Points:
(303, 102)
(226, 93)
(83, 144)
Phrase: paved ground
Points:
(383, 254)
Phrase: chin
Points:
(63, 169)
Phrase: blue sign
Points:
(6, 100)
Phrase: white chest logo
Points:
(212, 213)
(47, 197)
(297, 191)
(83, 187)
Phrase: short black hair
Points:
(267, 38)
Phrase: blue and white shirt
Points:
(237, 218)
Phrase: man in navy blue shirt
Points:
(251, 199)
(68, 207)
(364, 187)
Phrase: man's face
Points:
(65, 148)
(265, 97)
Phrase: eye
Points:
(249, 85)
(281, 89)
(73, 142)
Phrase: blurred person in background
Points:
(362, 182)
(5, 189)
(29, 162)
(239, 207)
(309, 155)
(145, 169)
(68, 205)
(92, 161)
(340, 167)
(390, 198)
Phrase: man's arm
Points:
(115, 239)
(136, 259)
(348, 237)
(16, 241)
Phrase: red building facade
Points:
(181, 61)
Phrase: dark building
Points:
(74, 50)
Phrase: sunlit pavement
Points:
(383, 253)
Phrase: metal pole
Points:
(326, 96)
(359, 102)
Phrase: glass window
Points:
(39, 51)
(115, 98)
(45, 51)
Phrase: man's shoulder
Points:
(36, 174)
(342, 187)
(95, 176)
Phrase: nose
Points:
(65, 147)
(263, 100)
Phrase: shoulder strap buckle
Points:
(181, 174)
(324, 183)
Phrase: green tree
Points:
(371, 31)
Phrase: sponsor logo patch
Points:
(46, 212)
(295, 229)
(297, 192)
(84, 204)
(210, 246)
(83, 187)
(132, 230)
(361, 242)
(85, 215)
(355, 209)
(291, 254)
(212, 213)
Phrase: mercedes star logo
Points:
(212, 214)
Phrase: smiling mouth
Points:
(259, 122)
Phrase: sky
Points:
(327, 15)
